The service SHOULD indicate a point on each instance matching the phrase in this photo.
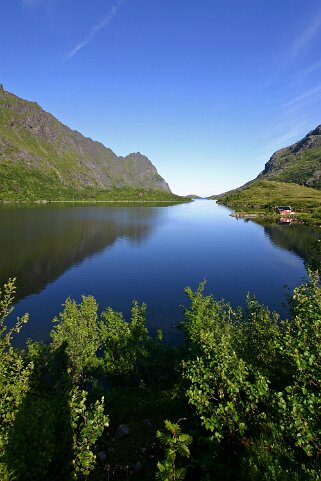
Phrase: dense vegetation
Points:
(262, 196)
(17, 185)
(240, 398)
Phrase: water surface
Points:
(147, 253)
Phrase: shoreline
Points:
(46, 202)
(261, 216)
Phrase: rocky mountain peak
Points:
(316, 131)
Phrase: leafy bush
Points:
(77, 328)
(47, 429)
(87, 425)
(254, 381)
(123, 343)
(14, 372)
(224, 389)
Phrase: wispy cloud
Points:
(308, 94)
(307, 71)
(284, 138)
(103, 24)
(287, 58)
(306, 36)
(293, 119)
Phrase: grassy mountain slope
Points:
(267, 194)
(263, 195)
(299, 163)
(40, 158)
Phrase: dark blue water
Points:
(145, 253)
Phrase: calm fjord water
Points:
(147, 253)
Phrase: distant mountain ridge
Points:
(192, 196)
(38, 154)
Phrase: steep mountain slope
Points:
(42, 158)
(299, 163)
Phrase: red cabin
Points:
(283, 209)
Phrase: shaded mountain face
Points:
(300, 163)
(37, 149)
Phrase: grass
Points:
(262, 196)
(20, 184)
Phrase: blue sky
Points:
(207, 89)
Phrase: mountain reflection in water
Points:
(301, 239)
(39, 244)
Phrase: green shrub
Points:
(77, 328)
(254, 382)
(174, 442)
(123, 343)
(14, 372)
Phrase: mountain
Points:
(292, 177)
(40, 158)
(300, 163)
